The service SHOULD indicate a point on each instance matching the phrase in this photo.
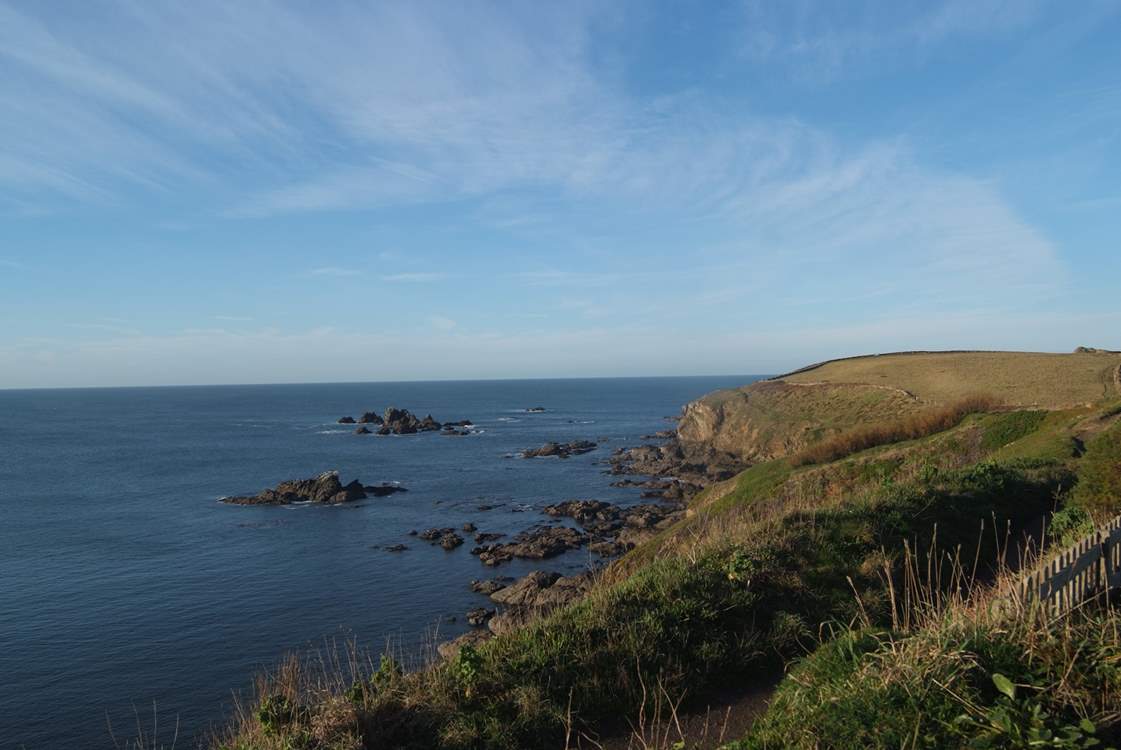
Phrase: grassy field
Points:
(1049, 381)
(781, 417)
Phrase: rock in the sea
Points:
(363, 430)
(469, 527)
(346, 420)
(487, 536)
(478, 616)
(396, 548)
(445, 537)
(489, 585)
(383, 490)
(560, 450)
(619, 527)
(538, 543)
(535, 409)
(326, 489)
(370, 417)
(403, 422)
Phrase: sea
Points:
(130, 596)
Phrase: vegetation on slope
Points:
(965, 679)
(763, 565)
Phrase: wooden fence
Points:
(1088, 568)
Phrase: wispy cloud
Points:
(335, 271)
(442, 323)
(413, 277)
(818, 42)
(233, 318)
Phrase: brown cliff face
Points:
(771, 419)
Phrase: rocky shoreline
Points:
(668, 472)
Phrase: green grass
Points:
(1099, 475)
(963, 682)
(1006, 429)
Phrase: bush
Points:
(910, 428)
(1099, 476)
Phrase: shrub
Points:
(1099, 475)
(910, 428)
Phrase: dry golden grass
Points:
(1050, 381)
(911, 427)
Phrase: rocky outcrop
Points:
(535, 595)
(325, 489)
(538, 543)
(363, 430)
(346, 420)
(473, 638)
(617, 528)
(560, 450)
(370, 417)
(489, 585)
(478, 616)
(445, 537)
(403, 422)
(691, 466)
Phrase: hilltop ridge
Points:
(776, 417)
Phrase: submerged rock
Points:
(383, 490)
(561, 450)
(325, 488)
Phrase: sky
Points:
(252, 192)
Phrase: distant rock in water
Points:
(383, 490)
(561, 450)
(346, 420)
(403, 422)
(325, 488)
(370, 417)
(535, 409)
(363, 430)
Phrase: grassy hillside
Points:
(764, 569)
(776, 418)
(1049, 381)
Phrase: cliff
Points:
(774, 418)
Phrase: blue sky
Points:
(214, 192)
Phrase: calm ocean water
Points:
(123, 582)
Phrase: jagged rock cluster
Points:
(560, 450)
(396, 421)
